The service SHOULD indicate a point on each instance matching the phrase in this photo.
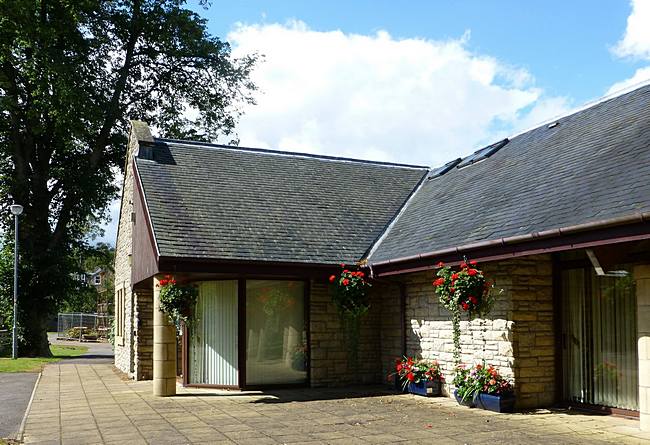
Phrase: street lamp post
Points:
(16, 209)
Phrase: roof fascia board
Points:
(149, 222)
(604, 235)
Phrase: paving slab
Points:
(90, 403)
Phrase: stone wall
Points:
(517, 336)
(329, 355)
(143, 343)
(123, 250)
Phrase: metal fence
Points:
(83, 327)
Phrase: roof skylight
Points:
(483, 153)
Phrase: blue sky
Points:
(423, 82)
(566, 44)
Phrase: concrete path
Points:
(87, 404)
(15, 392)
(97, 352)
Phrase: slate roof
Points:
(218, 202)
(593, 165)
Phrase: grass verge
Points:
(35, 364)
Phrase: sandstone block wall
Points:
(143, 345)
(517, 336)
(124, 357)
(329, 355)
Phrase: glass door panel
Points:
(599, 335)
(276, 338)
(213, 342)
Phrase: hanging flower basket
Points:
(177, 301)
(349, 295)
(463, 290)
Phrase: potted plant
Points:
(485, 388)
(177, 301)
(349, 295)
(299, 358)
(462, 386)
(421, 377)
(463, 290)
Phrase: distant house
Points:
(101, 279)
(557, 216)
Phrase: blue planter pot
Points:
(469, 402)
(427, 389)
(504, 403)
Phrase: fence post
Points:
(81, 325)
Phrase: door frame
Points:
(241, 337)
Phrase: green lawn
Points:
(25, 364)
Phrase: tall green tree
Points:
(71, 73)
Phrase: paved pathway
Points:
(98, 352)
(15, 391)
(86, 404)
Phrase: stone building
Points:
(558, 217)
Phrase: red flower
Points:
(398, 367)
(465, 306)
(463, 265)
(473, 263)
(471, 272)
(410, 376)
(473, 299)
(342, 264)
(332, 278)
(440, 264)
(454, 276)
(452, 290)
(345, 281)
(361, 274)
(439, 282)
(345, 271)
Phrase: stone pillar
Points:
(642, 277)
(164, 348)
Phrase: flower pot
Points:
(502, 403)
(298, 362)
(430, 388)
(469, 401)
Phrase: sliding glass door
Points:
(276, 338)
(599, 336)
(213, 353)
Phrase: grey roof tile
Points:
(229, 203)
(594, 165)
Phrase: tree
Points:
(85, 295)
(71, 72)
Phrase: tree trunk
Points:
(34, 323)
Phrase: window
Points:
(119, 317)
(276, 336)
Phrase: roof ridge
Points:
(288, 153)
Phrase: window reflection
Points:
(276, 340)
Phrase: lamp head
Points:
(16, 209)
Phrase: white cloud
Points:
(636, 40)
(642, 75)
(377, 97)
